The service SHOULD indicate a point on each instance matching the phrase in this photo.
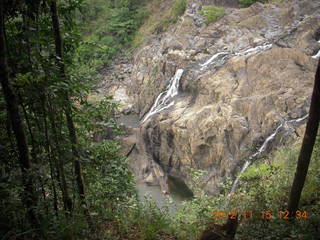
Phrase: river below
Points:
(178, 190)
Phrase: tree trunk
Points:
(77, 165)
(49, 152)
(29, 198)
(59, 163)
(307, 147)
(33, 151)
(68, 109)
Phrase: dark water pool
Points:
(179, 192)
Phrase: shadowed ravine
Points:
(175, 186)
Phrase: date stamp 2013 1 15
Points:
(258, 214)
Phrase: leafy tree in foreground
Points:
(68, 108)
(307, 146)
(47, 120)
(29, 198)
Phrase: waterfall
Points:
(261, 150)
(225, 55)
(299, 119)
(210, 60)
(263, 47)
(164, 100)
(317, 55)
(265, 143)
(235, 184)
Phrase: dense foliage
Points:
(108, 26)
(266, 186)
(264, 190)
(60, 125)
(247, 3)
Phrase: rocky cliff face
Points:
(228, 106)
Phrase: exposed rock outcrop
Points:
(232, 104)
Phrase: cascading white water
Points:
(262, 149)
(317, 55)
(225, 55)
(298, 120)
(235, 183)
(266, 142)
(263, 47)
(214, 57)
(164, 100)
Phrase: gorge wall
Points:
(225, 108)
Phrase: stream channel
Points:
(178, 190)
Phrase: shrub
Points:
(191, 213)
(159, 20)
(142, 220)
(247, 3)
(212, 13)
(266, 187)
(178, 7)
(108, 26)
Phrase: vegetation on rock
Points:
(212, 13)
(170, 16)
(247, 3)
(107, 27)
